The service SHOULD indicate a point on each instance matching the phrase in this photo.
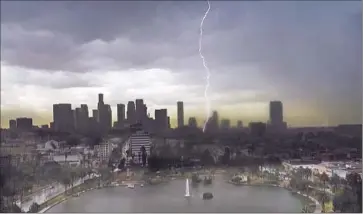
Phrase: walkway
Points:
(318, 208)
(48, 193)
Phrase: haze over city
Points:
(68, 52)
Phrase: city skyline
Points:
(121, 114)
(306, 54)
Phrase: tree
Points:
(307, 173)
(305, 209)
(34, 208)
(73, 175)
(122, 163)
(66, 181)
(128, 153)
(324, 178)
(106, 174)
(12, 208)
(345, 202)
(73, 140)
(354, 180)
(226, 155)
(207, 158)
(335, 181)
(143, 155)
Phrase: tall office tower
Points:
(104, 118)
(81, 119)
(161, 119)
(276, 113)
(192, 122)
(78, 119)
(225, 124)
(84, 108)
(213, 122)
(51, 125)
(120, 114)
(100, 108)
(169, 122)
(257, 128)
(74, 118)
(95, 114)
(239, 124)
(100, 99)
(139, 110)
(12, 124)
(180, 112)
(85, 118)
(24, 123)
(63, 118)
(164, 113)
(108, 117)
(131, 112)
(144, 113)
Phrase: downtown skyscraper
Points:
(180, 113)
(104, 114)
(121, 117)
(161, 119)
(276, 121)
(131, 112)
(63, 117)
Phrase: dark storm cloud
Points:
(149, 32)
(297, 47)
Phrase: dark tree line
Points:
(156, 163)
(350, 200)
(142, 157)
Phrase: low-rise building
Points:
(103, 150)
(19, 151)
(330, 168)
(72, 160)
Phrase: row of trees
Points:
(17, 182)
(349, 199)
(346, 194)
(205, 158)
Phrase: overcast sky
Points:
(306, 54)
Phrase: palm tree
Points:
(73, 177)
(65, 156)
(335, 182)
(66, 181)
(324, 178)
(307, 173)
(354, 180)
(305, 209)
(143, 155)
(106, 175)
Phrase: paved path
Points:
(318, 208)
(46, 194)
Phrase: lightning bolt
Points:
(207, 103)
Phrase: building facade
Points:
(131, 112)
(63, 117)
(192, 122)
(180, 113)
(24, 124)
(121, 117)
(136, 141)
(161, 119)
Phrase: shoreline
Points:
(123, 184)
(318, 207)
